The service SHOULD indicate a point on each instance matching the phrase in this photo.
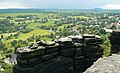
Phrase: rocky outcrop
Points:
(73, 54)
(115, 41)
(109, 64)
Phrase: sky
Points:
(60, 4)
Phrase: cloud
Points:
(64, 4)
(111, 6)
(4, 5)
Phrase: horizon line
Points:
(61, 8)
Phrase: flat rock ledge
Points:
(109, 64)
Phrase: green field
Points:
(7, 34)
(35, 26)
(16, 14)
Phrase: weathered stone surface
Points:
(106, 65)
(93, 41)
(56, 65)
(26, 50)
(26, 53)
(29, 62)
(88, 36)
(115, 41)
(78, 49)
(65, 41)
(68, 52)
(52, 48)
(89, 62)
(47, 57)
(115, 48)
(79, 64)
(43, 43)
(73, 54)
(77, 38)
(116, 33)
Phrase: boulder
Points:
(106, 65)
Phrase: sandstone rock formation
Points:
(106, 65)
(73, 54)
(115, 41)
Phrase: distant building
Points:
(11, 60)
(117, 25)
(108, 30)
